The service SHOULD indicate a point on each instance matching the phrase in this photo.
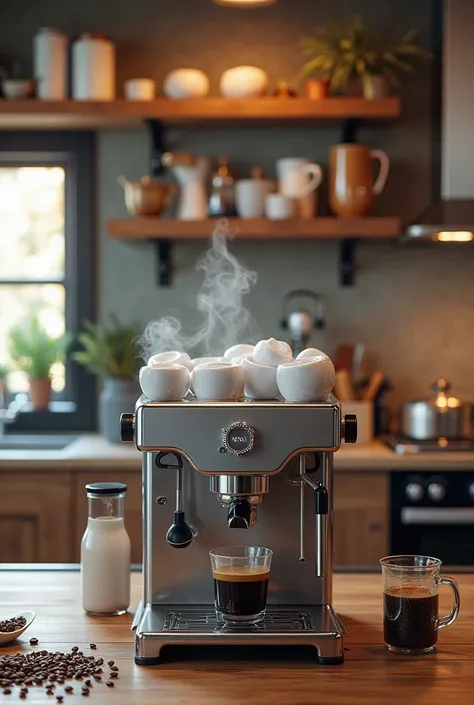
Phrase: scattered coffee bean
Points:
(59, 698)
(93, 646)
(75, 649)
(22, 696)
(24, 689)
(112, 667)
(113, 674)
(110, 663)
(88, 682)
(109, 684)
(68, 689)
(49, 692)
(96, 677)
(7, 691)
(11, 625)
(100, 661)
(33, 641)
(44, 652)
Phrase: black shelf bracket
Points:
(349, 130)
(164, 264)
(348, 266)
(158, 145)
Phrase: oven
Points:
(433, 514)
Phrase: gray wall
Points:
(413, 308)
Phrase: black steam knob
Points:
(179, 534)
(350, 428)
(239, 514)
(127, 428)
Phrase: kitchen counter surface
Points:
(370, 674)
(93, 451)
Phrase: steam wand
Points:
(321, 509)
(179, 535)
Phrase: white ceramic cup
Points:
(250, 195)
(306, 380)
(260, 380)
(298, 177)
(202, 360)
(310, 352)
(175, 356)
(242, 349)
(164, 382)
(272, 352)
(218, 381)
(140, 89)
(279, 207)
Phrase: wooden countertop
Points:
(94, 452)
(370, 674)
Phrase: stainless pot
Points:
(440, 417)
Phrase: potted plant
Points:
(358, 62)
(35, 352)
(112, 352)
(4, 370)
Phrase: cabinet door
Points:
(361, 518)
(35, 517)
(133, 505)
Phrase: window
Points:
(46, 260)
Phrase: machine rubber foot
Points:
(330, 661)
(154, 661)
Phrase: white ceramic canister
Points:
(50, 62)
(93, 68)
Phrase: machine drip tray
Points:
(160, 627)
(207, 621)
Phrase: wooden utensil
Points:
(344, 357)
(375, 382)
(343, 387)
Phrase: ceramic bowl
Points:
(186, 83)
(7, 637)
(174, 356)
(218, 381)
(272, 352)
(18, 88)
(239, 350)
(260, 380)
(243, 82)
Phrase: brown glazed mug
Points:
(351, 182)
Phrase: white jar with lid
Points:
(105, 551)
(50, 60)
(93, 68)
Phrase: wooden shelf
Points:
(69, 114)
(136, 229)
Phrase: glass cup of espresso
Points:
(410, 603)
(241, 576)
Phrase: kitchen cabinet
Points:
(35, 511)
(132, 504)
(361, 518)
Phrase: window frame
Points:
(75, 152)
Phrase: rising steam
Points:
(226, 321)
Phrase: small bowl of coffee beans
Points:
(13, 627)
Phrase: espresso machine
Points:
(237, 473)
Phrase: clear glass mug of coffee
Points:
(410, 603)
(241, 576)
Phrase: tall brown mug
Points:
(351, 182)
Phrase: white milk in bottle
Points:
(105, 551)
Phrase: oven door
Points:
(441, 527)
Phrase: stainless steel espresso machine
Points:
(237, 473)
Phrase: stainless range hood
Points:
(452, 218)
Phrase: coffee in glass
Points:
(410, 603)
(241, 575)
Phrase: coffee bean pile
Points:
(11, 625)
(50, 670)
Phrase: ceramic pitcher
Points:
(351, 182)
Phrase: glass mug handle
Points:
(446, 621)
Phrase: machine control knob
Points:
(350, 428)
(238, 438)
(127, 428)
(471, 491)
(414, 491)
(436, 491)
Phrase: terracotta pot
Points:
(351, 185)
(376, 86)
(40, 393)
(316, 88)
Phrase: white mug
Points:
(140, 89)
(279, 207)
(250, 197)
(171, 356)
(293, 176)
(272, 352)
(164, 382)
(217, 381)
(306, 380)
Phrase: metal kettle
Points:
(442, 416)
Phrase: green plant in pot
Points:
(34, 351)
(358, 61)
(4, 371)
(113, 353)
